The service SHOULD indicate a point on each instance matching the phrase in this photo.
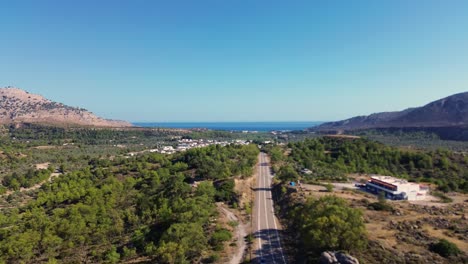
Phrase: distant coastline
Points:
(235, 126)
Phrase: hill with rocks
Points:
(447, 117)
(18, 106)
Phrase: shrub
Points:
(248, 208)
(128, 252)
(444, 198)
(225, 191)
(445, 248)
(219, 237)
(249, 238)
(213, 258)
(287, 173)
(112, 256)
(380, 206)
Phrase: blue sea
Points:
(234, 126)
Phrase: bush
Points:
(248, 208)
(219, 237)
(3, 190)
(249, 238)
(329, 187)
(112, 256)
(213, 258)
(128, 252)
(225, 191)
(444, 198)
(380, 206)
(287, 173)
(445, 248)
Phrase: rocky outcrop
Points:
(330, 257)
(19, 106)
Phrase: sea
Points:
(234, 126)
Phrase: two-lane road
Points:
(266, 227)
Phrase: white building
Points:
(396, 189)
(168, 148)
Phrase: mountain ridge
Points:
(451, 111)
(20, 106)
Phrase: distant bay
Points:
(235, 126)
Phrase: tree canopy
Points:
(332, 157)
(328, 223)
(124, 208)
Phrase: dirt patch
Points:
(45, 147)
(244, 189)
(386, 237)
(240, 230)
(234, 249)
(42, 166)
(21, 155)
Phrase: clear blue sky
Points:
(235, 60)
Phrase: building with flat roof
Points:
(396, 189)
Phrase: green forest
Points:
(36, 134)
(332, 158)
(143, 207)
(109, 207)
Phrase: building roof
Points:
(393, 181)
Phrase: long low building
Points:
(396, 189)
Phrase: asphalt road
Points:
(266, 227)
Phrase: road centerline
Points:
(268, 233)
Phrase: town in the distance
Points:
(384, 188)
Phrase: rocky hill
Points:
(449, 112)
(19, 106)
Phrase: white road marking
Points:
(265, 200)
(264, 182)
(274, 217)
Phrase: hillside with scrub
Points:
(147, 208)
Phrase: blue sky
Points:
(235, 60)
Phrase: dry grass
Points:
(243, 188)
(223, 222)
(380, 225)
(441, 234)
(45, 147)
(376, 231)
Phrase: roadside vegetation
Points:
(326, 223)
(312, 213)
(332, 159)
(316, 220)
(111, 208)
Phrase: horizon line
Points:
(294, 121)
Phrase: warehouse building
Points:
(396, 189)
